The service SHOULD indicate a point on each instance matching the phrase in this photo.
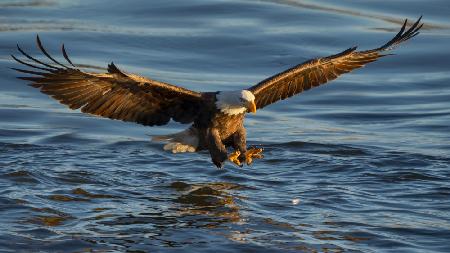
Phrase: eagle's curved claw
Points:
(253, 153)
(234, 158)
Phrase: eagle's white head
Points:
(235, 102)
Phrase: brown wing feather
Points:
(113, 95)
(315, 72)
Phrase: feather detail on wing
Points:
(113, 95)
(318, 71)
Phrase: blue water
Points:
(359, 165)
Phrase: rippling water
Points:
(360, 165)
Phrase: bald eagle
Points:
(216, 118)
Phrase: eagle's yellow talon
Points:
(234, 157)
(253, 153)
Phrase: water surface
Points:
(366, 158)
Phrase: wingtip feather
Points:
(403, 35)
(66, 56)
(41, 47)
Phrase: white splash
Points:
(184, 141)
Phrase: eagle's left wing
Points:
(114, 95)
(315, 72)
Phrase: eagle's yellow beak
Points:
(251, 107)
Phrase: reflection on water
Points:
(210, 200)
(327, 7)
(49, 217)
(367, 157)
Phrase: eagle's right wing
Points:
(113, 95)
(321, 70)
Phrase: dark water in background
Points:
(367, 157)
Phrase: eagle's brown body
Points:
(216, 120)
(216, 131)
(220, 131)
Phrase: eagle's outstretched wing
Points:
(114, 95)
(318, 71)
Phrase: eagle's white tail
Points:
(184, 141)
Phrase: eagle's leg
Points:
(234, 157)
(253, 153)
(216, 148)
(241, 154)
(240, 147)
